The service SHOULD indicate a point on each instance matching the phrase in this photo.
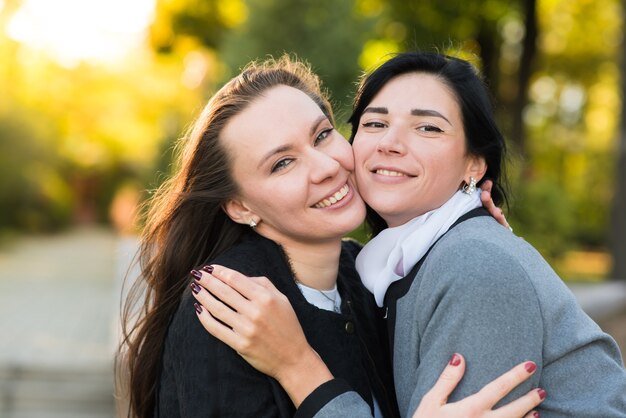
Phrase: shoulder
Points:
(245, 251)
(480, 258)
(185, 327)
(250, 256)
(480, 247)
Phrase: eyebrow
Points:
(288, 147)
(428, 112)
(382, 110)
(414, 112)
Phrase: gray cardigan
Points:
(489, 295)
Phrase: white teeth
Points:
(390, 173)
(331, 200)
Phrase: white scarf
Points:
(390, 255)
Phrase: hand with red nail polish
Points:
(434, 402)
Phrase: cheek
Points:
(266, 197)
(360, 151)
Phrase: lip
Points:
(345, 199)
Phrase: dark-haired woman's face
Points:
(409, 150)
(294, 170)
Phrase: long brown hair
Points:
(185, 224)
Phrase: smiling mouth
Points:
(333, 199)
(390, 173)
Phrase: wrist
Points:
(301, 378)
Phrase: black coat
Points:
(203, 377)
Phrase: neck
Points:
(315, 265)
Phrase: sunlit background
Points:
(71, 31)
(93, 94)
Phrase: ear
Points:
(476, 167)
(239, 211)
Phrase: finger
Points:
(447, 381)
(499, 216)
(500, 387)
(217, 329)
(223, 291)
(496, 212)
(217, 308)
(485, 199)
(237, 281)
(486, 186)
(521, 406)
(260, 291)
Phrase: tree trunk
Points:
(618, 221)
(529, 45)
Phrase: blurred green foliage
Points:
(35, 195)
(71, 137)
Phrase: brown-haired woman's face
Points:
(409, 150)
(293, 170)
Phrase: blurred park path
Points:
(59, 304)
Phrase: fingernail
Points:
(194, 287)
(208, 269)
(455, 360)
(530, 366)
(198, 307)
(196, 274)
(536, 414)
(542, 393)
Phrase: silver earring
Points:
(471, 187)
(252, 223)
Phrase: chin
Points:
(383, 208)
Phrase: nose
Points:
(391, 142)
(323, 167)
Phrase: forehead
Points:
(416, 90)
(280, 114)
(281, 117)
